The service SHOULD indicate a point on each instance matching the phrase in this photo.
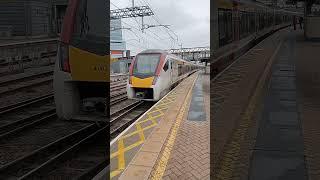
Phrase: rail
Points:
(31, 50)
(118, 77)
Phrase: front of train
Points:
(81, 73)
(144, 81)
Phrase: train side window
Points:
(166, 66)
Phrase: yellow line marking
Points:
(158, 110)
(161, 167)
(166, 101)
(118, 171)
(136, 132)
(115, 173)
(127, 148)
(140, 132)
(121, 160)
(148, 119)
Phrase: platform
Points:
(266, 105)
(171, 140)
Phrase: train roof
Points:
(166, 53)
(154, 51)
(260, 5)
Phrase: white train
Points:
(153, 73)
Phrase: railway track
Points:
(23, 78)
(121, 119)
(118, 86)
(35, 140)
(22, 68)
(82, 160)
(40, 157)
(27, 59)
(117, 93)
(118, 99)
(25, 114)
(18, 84)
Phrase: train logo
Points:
(100, 68)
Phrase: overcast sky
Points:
(189, 20)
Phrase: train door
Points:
(170, 70)
(166, 81)
(174, 70)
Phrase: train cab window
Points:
(90, 27)
(146, 64)
(166, 66)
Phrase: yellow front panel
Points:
(86, 66)
(225, 4)
(142, 83)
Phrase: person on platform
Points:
(294, 22)
(300, 22)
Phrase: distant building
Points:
(31, 17)
(117, 44)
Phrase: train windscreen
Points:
(146, 64)
(90, 27)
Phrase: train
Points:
(81, 73)
(239, 25)
(240, 19)
(153, 73)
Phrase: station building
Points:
(118, 48)
(117, 44)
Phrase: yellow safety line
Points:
(134, 144)
(161, 167)
(141, 135)
(115, 173)
(118, 171)
(158, 110)
(126, 148)
(166, 101)
(148, 119)
(121, 160)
